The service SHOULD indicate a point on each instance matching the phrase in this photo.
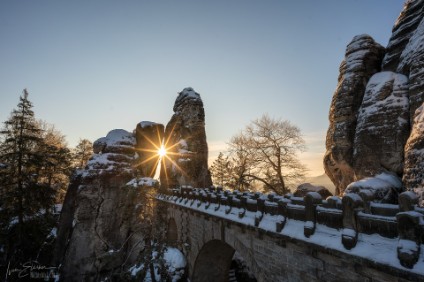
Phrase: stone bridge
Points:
(296, 239)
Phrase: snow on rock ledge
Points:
(403, 30)
(143, 182)
(383, 126)
(384, 187)
(112, 153)
(362, 60)
(115, 140)
(187, 93)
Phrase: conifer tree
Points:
(83, 152)
(33, 164)
(220, 170)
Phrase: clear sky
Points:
(93, 66)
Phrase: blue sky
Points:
(92, 66)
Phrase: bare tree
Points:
(266, 151)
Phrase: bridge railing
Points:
(353, 214)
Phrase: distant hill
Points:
(322, 180)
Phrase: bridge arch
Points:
(172, 232)
(215, 262)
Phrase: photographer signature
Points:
(31, 268)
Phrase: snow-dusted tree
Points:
(21, 195)
(21, 136)
(83, 152)
(266, 151)
(56, 165)
(30, 165)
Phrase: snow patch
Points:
(144, 124)
(142, 182)
(174, 258)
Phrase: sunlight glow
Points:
(162, 151)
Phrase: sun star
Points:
(162, 151)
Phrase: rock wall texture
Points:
(185, 141)
(382, 126)
(371, 122)
(362, 60)
(149, 138)
(107, 217)
(413, 176)
(104, 214)
(402, 31)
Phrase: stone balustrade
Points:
(352, 214)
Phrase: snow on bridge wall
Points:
(297, 239)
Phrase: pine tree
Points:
(32, 165)
(221, 170)
(83, 152)
(21, 136)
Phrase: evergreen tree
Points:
(82, 153)
(220, 170)
(34, 163)
(17, 152)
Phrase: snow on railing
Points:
(353, 214)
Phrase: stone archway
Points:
(172, 233)
(213, 262)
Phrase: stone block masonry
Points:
(207, 224)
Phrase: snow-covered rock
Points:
(116, 141)
(402, 31)
(412, 63)
(384, 187)
(185, 140)
(112, 154)
(383, 126)
(143, 182)
(362, 60)
(174, 259)
(413, 176)
(305, 188)
(101, 212)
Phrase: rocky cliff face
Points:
(413, 176)
(382, 126)
(402, 31)
(369, 126)
(362, 60)
(108, 213)
(185, 141)
(149, 137)
(104, 212)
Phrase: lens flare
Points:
(162, 151)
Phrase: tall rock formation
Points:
(402, 31)
(412, 64)
(96, 226)
(362, 60)
(383, 126)
(107, 214)
(383, 116)
(413, 176)
(185, 141)
(109, 219)
(149, 137)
